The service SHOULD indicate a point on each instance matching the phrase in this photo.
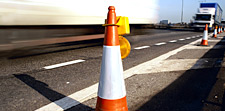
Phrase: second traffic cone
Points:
(219, 30)
(215, 32)
(205, 36)
(111, 89)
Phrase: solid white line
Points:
(72, 100)
(181, 39)
(142, 47)
(162, 43)
(63, 64)
(91, 91)
(172, 41)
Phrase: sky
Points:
(171, 9)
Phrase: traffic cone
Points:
(205, 36)
(215, 32)
(111, 89)
(219, 30)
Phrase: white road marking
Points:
(172, 41)
(63, 64)
(72, 100)
(142, 47)
(91, 91)
(181, 39)
(188, 38)
(162, 43)
(193, 37)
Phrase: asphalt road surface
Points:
(34, 78)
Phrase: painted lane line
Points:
(91, 91)
(72, 100)
(63, 64)
(193, 37)
(142, 47)
(188, 38)
(162, 43)
(172, 41)
(181, 39)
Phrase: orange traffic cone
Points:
(215, 32)
(111, 89)
(205, 36)
(219, 30)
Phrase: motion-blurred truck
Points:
(208, 13)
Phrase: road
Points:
(32, 78)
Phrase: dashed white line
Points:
(193, 37)
(162, 43)
(142, 47)
(172, 41)
(63, 64)
(188, 38)
(181, 39)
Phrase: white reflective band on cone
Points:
(215, 32)
(205, 35)
(111, 83)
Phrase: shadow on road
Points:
(195, 90)
(44, 90)
(53, 48)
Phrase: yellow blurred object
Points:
(124, 27)
(124, 47)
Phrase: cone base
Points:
(111, 105)
(204, 42)
(215, 36)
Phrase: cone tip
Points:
(206, 27)
(111, 8)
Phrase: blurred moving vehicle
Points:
(24, 20)
(208, 13)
